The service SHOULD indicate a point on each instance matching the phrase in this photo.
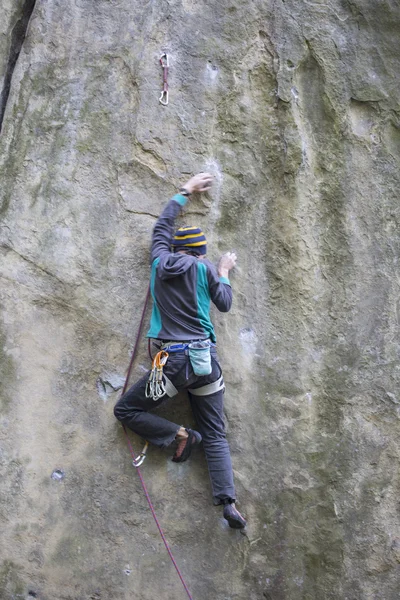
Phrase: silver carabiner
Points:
(149, 387)
(164, 64)
(155, 387)
(163, 99)
(139, 460)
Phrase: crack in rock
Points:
(108, 384)
(18, 35)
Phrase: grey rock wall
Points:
(294, 106)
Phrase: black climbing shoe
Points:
(185, 446)
(233, 516)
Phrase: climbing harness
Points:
(210, 388)
(199, 352)
(139, 459)
(164, 65)
(155, 387)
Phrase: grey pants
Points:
(133, 411)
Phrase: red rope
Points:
(146, 493)
(136, 346)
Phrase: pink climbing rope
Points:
(146, 493)
(136, 346)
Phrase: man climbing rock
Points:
(183, 282)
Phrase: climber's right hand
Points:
(199, 183)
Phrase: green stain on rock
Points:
(10, 582)
(7, 375)
(71, 550)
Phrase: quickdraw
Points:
(155, 386)
(164, 65)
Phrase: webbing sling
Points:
(146, 493)
(210, 388)
(170, 389)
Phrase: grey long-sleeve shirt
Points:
(182, 286)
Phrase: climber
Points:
(182, 283)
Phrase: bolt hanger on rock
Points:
(164, 62)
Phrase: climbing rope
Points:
(136, 460)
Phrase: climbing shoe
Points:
(233, 516)
(185, 446)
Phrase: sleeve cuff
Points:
(180, 199)
(225, 280)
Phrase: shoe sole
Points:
(235, 523)
(195, 442)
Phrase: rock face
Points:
(294, 106)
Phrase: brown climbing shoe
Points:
(185, 446)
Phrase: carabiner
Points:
(163, 99)
(164, 64)
(139, 460)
